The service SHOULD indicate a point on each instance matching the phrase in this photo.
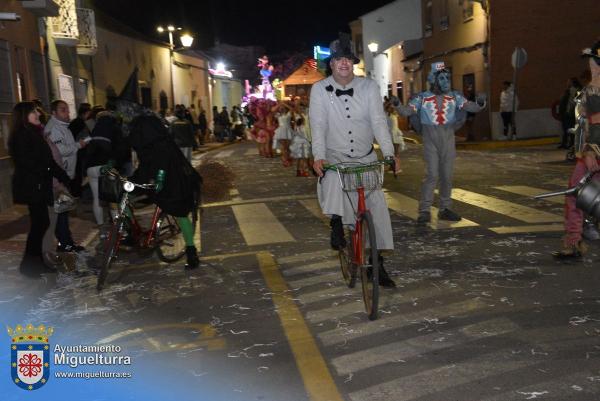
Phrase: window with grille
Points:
(428, 26)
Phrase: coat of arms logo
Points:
(30, 355)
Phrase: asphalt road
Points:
(481, 312)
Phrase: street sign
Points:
(519, 58)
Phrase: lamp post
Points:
(186, 41)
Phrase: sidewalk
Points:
(461, 144)
(14, 221)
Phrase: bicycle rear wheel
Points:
(170, 241)
(110, 251)
(347, 263)
(370, 269)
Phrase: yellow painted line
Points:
(531, 192)
(540, 228)
(258, 200)
(259, 226)
(312, 205)
(198, 234)
(510, 209)
(315, 374)
(409, 207)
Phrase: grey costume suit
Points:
(343, 130)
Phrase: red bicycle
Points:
(164, 236)
(361, 253)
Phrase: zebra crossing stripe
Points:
(409, 207)
(402, 297)
(259, 226)
(316, 279)
(531, 192)
(301, 257)
(428, 383)
(416, 346)
(514, 210)
(357, 330)
(316, 296)
(313, 267)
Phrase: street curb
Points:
(490, 145)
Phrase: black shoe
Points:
(448, 215)
(193, 262)
(424, 218)
(69, 248)
(384, 279)
(337, 233)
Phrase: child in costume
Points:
(300, 148)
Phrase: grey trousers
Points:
(335, 201)
(439, 152)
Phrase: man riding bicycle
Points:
(180, 194)
(346, 115)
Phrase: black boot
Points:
(192, 258)
(384, 278)
(337, 232)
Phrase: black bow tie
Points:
(349, 92)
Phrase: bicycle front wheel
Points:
(370, 268)
(347, 264)
(170, 241)
(110, 251)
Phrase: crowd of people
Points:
(53, 154)
(284, 127)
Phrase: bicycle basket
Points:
(110, 189)
(352, 177)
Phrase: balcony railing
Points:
(86, 23)
(64, 28)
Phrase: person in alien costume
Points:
(438, 111)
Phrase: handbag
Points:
(110, 189)
(64, 202)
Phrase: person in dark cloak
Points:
(156, 150)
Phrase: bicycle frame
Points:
(357, 235)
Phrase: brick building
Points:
(477, 39)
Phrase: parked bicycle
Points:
(164, 236)
(361, 253)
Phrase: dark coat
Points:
(102, 147)
(156, 150)
(34, 168)
(183, 133)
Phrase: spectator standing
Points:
(226, 123)
(202, 126)
(566, 111)
(32, 178)
(183, 133)
(101, 150)
(506, 110)
(58, 132)
(80, 130)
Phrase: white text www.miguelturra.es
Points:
(92, 375)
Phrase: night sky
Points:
(277, 26)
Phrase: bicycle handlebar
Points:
(114, 173)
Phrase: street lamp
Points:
(186, 40)
(373, 47)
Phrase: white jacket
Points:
(58, 132)
(506, 100)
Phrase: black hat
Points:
(342, 47)
(593, 52)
